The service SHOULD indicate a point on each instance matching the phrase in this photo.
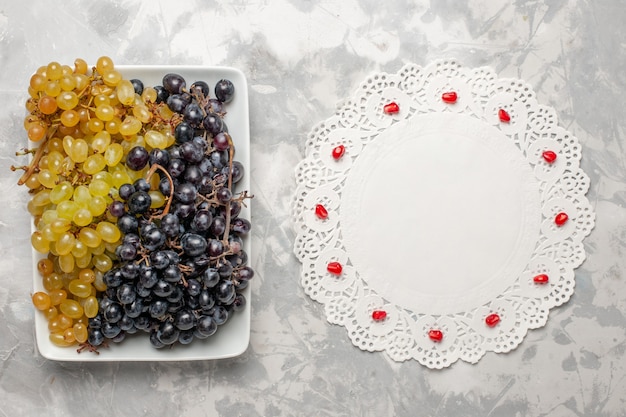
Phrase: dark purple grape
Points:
(159, 157)
(148, 277)
(245, 273)
(133, 238)
(240, 225)
(205, 186)
(142, 322)
(193, 114)
(201, 221)
(126, 252)
(184, 319)
(184, 211)
(130, 270)
(176, 103)
(193, 244)
(141, 185)
(126, 293)
(193, 287)
(219, 159)
(215, 248)
(200, 89)
(218, 227)
(225, 291)
(142, 292)
(224, 195)
(137, 158)
(167, 333)
(219, 315)
(158, 308)
(225, 270)
(126, 323)
(176, 295)
(192, 174)
(221, 141)
(170, 225)
(110, 330)
(165, 187)
(206, 299)
(153, 239)
(214, 106)
(206, 326)
(117, 209)
(183, 132)
(224, 91)
(237, 171)
(174, 83)
(162, 94)
(137, 85)
(211, 277)
(125, 191)
(176, 167)
(139, 202)
(95, 338)
(213, 123)
(186, 337)
(235, 209)
(162, 288)
(113, 313)
(186, 193)
(159, 259)
(235, 244)
(239, 303)
(192, 152)
(112, 278)
(172, 274)
(134, 309)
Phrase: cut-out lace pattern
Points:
(404, 333)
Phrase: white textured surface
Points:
(300, 58)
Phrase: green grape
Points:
(49, 216)
(61, 192)
(89, 237)
(58, 338)
(108, 232)
(67, 100)
(71, 308)
(90, 306)
(53, 282)
(102, 262)
(113, 154)
(98, 250)
(42, 198)
(80, 249)
(125, 92)
(99, 187)
(105, 112)
(130, 126)
(101, 141)
(82, 217)
(79, 288)
(65, 243)
(35, 210)
(158, 199)
(48, 234)
(67, 209)
(97, 206)
(66, 263)
(80, 331)
(59, 225)
(155, 139)
(39, 243)
(79, 150)
(55, 161)
(83, 261)
(82, 195)
(68, 142)
(141, 112)
(94, 163)
(47, 178)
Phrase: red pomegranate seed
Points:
(379, 315)
(334, 268)
(549, 156)
(391, 108)
(338, 151)
(435, 335)
(321, 212)
(449, 97)
(541, 279)
(492, 319)
(504, 116)
(560, 219)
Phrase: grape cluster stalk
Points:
(135, 208)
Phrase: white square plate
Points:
(232, 338)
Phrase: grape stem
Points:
(149, 174)
(35, 162)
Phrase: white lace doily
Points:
(440, 214)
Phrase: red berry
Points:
(560, 219)
(379, 315)
(334, 268)
(338, 151)
(435, 335)
(449, 97)
(504, 116)
(391, 108)
(549, 156)
(541, 279)
(492, 319)
(321, 212)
